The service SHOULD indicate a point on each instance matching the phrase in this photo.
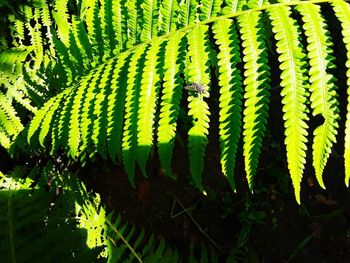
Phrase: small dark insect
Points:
(197, 87)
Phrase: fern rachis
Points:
(144, 87)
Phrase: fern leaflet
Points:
(256, 89)
(230, 95)
(323, 93)
(198, 72)
(170, 104)
(294, 93)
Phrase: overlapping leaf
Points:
(256, 94)
(342, 11)
(323, 92)
(230, 81)
(294, 90)
(113, 109)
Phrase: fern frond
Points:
(83, 43)
(64, 120)
(209, 9)
(230, 82)
(4, 138)
(19, 94)
(37, 40)
(74, 136)
(19, 30)
(100, 124)
(150, 9)
(65, 61)
(31, 226)
(90, 117)
(124, 244)
(10, 124)
(170, 101)
(132, 25)
(168, 11)
(47, 23)
(198, 72)
(55, 131)
(149, 92)
(294, 91)
(60, 15)
(342, 11)
(116, 101)
(129, 145)
(97, 31)
(323, 90)
(38, 118)
(46, 122)
(114, 27)
(188, 10)
(252, 4)
(9, 117)
(257, 79)
(76, 53)
(233, 6)
(87, 115)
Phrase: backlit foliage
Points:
(119, 69)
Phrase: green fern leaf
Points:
(342, 11)
(46, 123)
(188, 10)
(97, 31)
(323, 93)
(75, 51)
(150, 9)
(230, 94)
(19, 94)
(108, 32)
(88, 115)
(294, 92)
(149, 90)
(132, 25)
(116, 101)
(9, 118)
(19, 30)
(168, 11)
(47, 23)
(257, 79)
(39, 116)
(54, 130)
(198, 72)
(74, 136)
(252, 4)
(170, 102)
(233, 6)
(93, 22)
(64, 121)
(60, 15)
(66, 63)
(81, 35)
(36, 40)
(117, 22)
(129, 145)
(4, 138)
(209, 9)
(100, 108)
(6, 124)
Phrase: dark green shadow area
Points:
(41, 226)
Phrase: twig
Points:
(196, 223)
(123, 239)
(181, 212)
